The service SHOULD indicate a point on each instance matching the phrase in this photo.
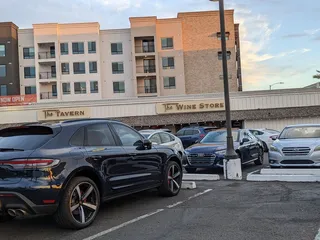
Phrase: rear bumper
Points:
(14, 200)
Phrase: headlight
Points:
(317, 149)
(221, 152)
(274, 149)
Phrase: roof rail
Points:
(83, 119)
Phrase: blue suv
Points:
(191, 135)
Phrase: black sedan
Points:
(211, 150)
(68, 169)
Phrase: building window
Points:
(29, 72)
(228, 55)
(116, 48)
(117, 68)
(79, 68)
(66, 89)
(2, 50)
(3, 90)
(169, 82)
(65, 68)
(219, 35)
(94, 87)
(92, 47)
(118, 87)
(93, 67)
(3, 70)
(168, 62)
(166, 43)
(64, 48)
(80, 88)
(30, 90)
(78, 48)
(28, 53)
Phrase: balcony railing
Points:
(145, 49)
(146, 69)
(46, 55)
(48, 95)
(147, 89)
(47, 75)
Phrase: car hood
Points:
(209, 147)
(299, 142)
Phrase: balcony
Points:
(48, 95)
(146, 69)
(146, 90)
(149, 48)
(47, 75)
(46, 55)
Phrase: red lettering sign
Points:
(17, 100)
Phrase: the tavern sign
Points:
(62, 114)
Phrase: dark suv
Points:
(191, 135)
(68, 169)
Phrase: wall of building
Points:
(26, 40)
(9, 38)
(107, 78)
(201, 47)
(171, 28)
(280, 124)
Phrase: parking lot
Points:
(215, 210)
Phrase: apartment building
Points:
(9, 65)
(154, 57)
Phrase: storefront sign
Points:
(190, 106)
(17, 100)
(63, 114)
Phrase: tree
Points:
(317, 76)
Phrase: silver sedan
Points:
(297, 146)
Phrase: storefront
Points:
(272, 109)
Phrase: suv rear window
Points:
(180, 133)
(188, 132)
(25, 138)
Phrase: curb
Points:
(200, 177)
(283, 178)
(268, 171)
(188, 185)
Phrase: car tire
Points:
(78, 187)
(265, 147)
(172, 180)
(260, 157)
(6, 218)
(191, 170)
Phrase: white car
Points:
(164, 138)
(266, 136)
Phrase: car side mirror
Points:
(147, 144)
(274, 138)
(245, 140)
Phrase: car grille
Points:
(202, 159)
(296, 151)
(297, 162)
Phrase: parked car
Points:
(296, 146)
(68, 169)
(161, 129)
(266, 136)
(164, 138)
(211, 150)
(190, 135)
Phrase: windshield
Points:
(24, 138)
(219, 136)
(300, 132)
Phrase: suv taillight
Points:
(30, 163)
(202, 135)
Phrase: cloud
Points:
(306, 33)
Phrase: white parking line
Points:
(123, 225)
(142, 217)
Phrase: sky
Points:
(280, 39)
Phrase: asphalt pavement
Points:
(219, 210)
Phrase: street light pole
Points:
(235, 166)
(270, 86)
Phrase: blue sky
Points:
(280, 38)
